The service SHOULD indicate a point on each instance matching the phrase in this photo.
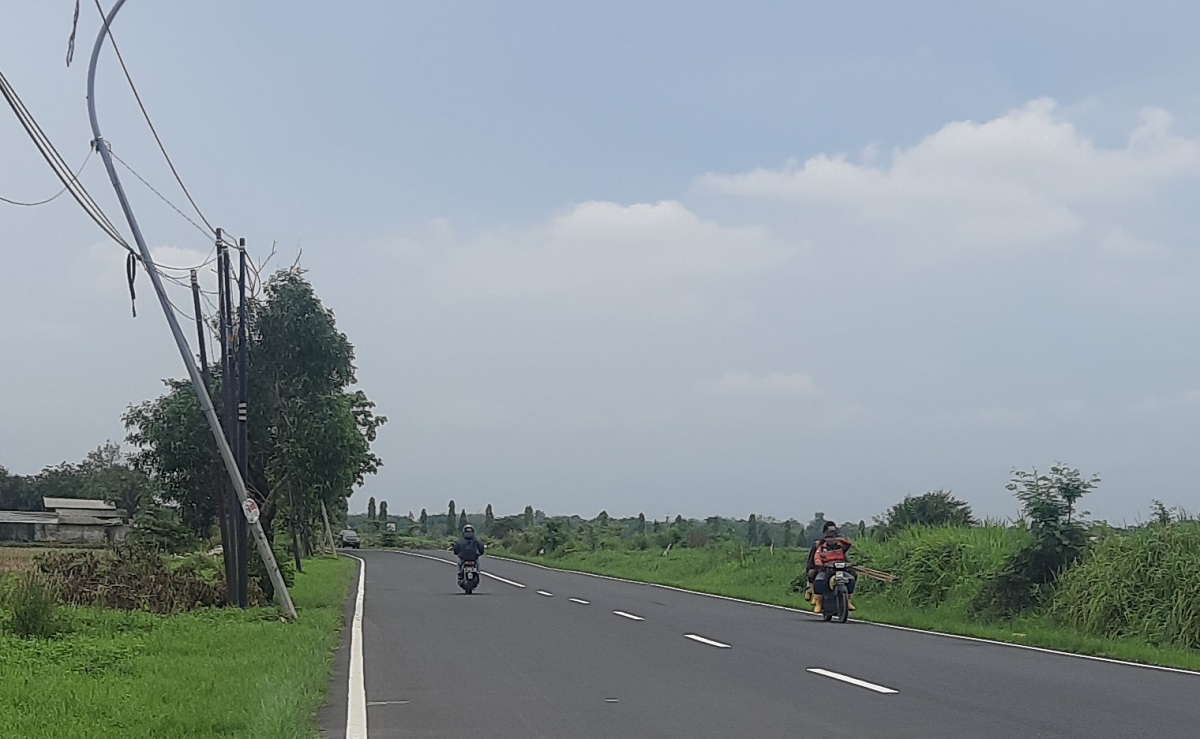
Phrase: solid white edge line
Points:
(629, 616)
(579, 600)
(356, 697)
(981, 640)
(853, 681)
(710, 642)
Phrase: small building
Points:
(66, 521)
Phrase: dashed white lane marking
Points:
(543, 592)
(610, 700)
(852, 680)
(709, 642)
(629, 616)
(578, 600)
(501, 579)
(388, 703)
(426, 556)
(356, 693)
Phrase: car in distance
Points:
(350, 539)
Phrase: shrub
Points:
(33, 604)
(131, 577)
(1145, 584)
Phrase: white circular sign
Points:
(250, 508)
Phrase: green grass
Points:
(757, 575)
(212, 673)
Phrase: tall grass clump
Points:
(944, 566)
(1145, 584)
(32, 605)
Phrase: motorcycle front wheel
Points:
(842, 607)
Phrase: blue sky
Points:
(673, 257)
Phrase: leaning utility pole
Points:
(243, 423)
(248, 505)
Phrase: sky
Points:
(675, 257)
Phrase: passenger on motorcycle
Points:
(467, 548)
(831, 547)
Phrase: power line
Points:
(112, 39)
(52, 198)
(154, 190)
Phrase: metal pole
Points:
(242, 428)
(264, 548)
(227, 502)
(228, 415)
(220, 498)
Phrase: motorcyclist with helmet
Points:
(830, 547)
(467, 548)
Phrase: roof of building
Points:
(27, 517)
(88, 504)
(81, 518)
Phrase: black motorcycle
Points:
(836, 601)
(468, 579)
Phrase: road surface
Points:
(544, 653)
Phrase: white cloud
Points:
(1026, 181)
(771, 384)
(657, 260)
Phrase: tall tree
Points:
(450, 518)
(641, 524)
(462, 519)
(371, 513)
(489, 518)
(527, 520)
(424, 521)
(787, 533)
(383, 514)
(752, 530)
(309, 435)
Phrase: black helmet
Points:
(829, 525)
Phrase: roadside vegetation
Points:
(76, 672)
(1051, 578)
(143, 638)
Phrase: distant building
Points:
(66, 521)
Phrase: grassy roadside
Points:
(213, 673)
(766, 578)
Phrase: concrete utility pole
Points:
(248, 505)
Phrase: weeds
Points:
(33, 606)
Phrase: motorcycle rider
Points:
(467, 548)
(830, 547)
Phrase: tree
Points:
(602, 518)
(424, 521)
(383, 514)
(1056, 541)
(371, 509)
(813, 529)
(641, 524)
(17, 493)
(528, 517)
(787, 533)
(462, 519)
(752, 531)
(934, 508)
(450, 517)
(489, 519)
(309, 435)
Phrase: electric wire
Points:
(112, 39)
(52, 198)
(162, 197)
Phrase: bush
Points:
(33, 604)
(1145, 585)
(130, 577)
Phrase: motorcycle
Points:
(468, 579)
(836, 601)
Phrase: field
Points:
(209, 673)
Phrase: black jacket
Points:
(468, 548)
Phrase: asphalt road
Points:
(573, 656)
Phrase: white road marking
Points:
(356, 697)
(543, 592)
(710, 642)
(387, 703)
(578, 600)
(629, 615)
(610, 700)
(501, 579)
(808, 612)
(852, 680)
(485, 574)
